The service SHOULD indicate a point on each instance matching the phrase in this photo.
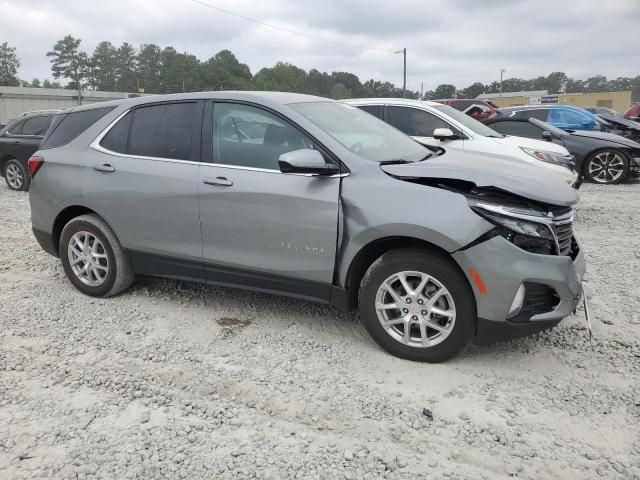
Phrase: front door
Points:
(260, 227)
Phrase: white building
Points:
(17, 100)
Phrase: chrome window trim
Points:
(95, 145)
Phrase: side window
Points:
(415, 122)
(36, 126)
(251, 137)
(518, 129)
(16, 129)
(117, 138)
(539, 113)
(67, 126)
(565, 117)
(163, 131)
(375, 110)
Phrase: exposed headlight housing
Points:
(551, 157)
(526, 227)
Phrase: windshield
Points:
(472, 124)
(362, 133)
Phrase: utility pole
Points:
(404, 70)
(502, 70)
(182, 86)
(421, 90)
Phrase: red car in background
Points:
(634, 112)
(482, 109)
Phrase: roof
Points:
(530, 93)
(265, 98)
(398, 101)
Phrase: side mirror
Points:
(306, 161)
(443, 134)
(547, 136)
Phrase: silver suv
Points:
(306, 197)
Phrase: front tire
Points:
(16, 175)
(92, 257)
(607, 167)
(417, 305)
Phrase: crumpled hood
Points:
(611, 137)
(518, 177)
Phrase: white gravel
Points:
(177, 380)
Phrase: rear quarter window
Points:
(67, 126)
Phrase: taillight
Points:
(34, 164)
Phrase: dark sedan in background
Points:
(600, 157)
(617, 123)
(18, 141)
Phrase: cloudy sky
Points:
(448, 41)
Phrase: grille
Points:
(564, 234)
(538, 298)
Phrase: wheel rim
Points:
(14, 176)
(606, 167)
(88, 259)
(415, 309)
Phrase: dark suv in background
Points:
(18, 141)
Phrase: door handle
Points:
(218, 181)
(105, 167)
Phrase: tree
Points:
(556, 82)
(339, 91)
(9, 64)
(126, 68)
(445, 91)
(105, 66)
(472, 91)
(149, 63)
(35, 83)
(224, 71)
(179, 72)
(596, 84)
(67, 61)
(349, 81)
(282, 77)
(318, 83)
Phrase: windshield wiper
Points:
(395, 161)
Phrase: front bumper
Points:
(503, 267)
(634, 167)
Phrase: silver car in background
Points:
(315, 199)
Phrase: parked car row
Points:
(440, 126)
(317, 199)
(601, 157)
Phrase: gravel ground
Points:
(177, 380)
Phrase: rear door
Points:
(141, 176)
(262, 228)
(421, 124)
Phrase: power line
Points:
(276, 27)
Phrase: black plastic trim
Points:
(46, 241)
(164, 266)
(489, 331)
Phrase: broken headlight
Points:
(518, 225)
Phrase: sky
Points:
(447, 41)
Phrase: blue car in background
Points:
(565, 117)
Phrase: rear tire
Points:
(607, 167)
(93, 259)
(16, 176)
(434, 300)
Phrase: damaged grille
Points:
(562, 227)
